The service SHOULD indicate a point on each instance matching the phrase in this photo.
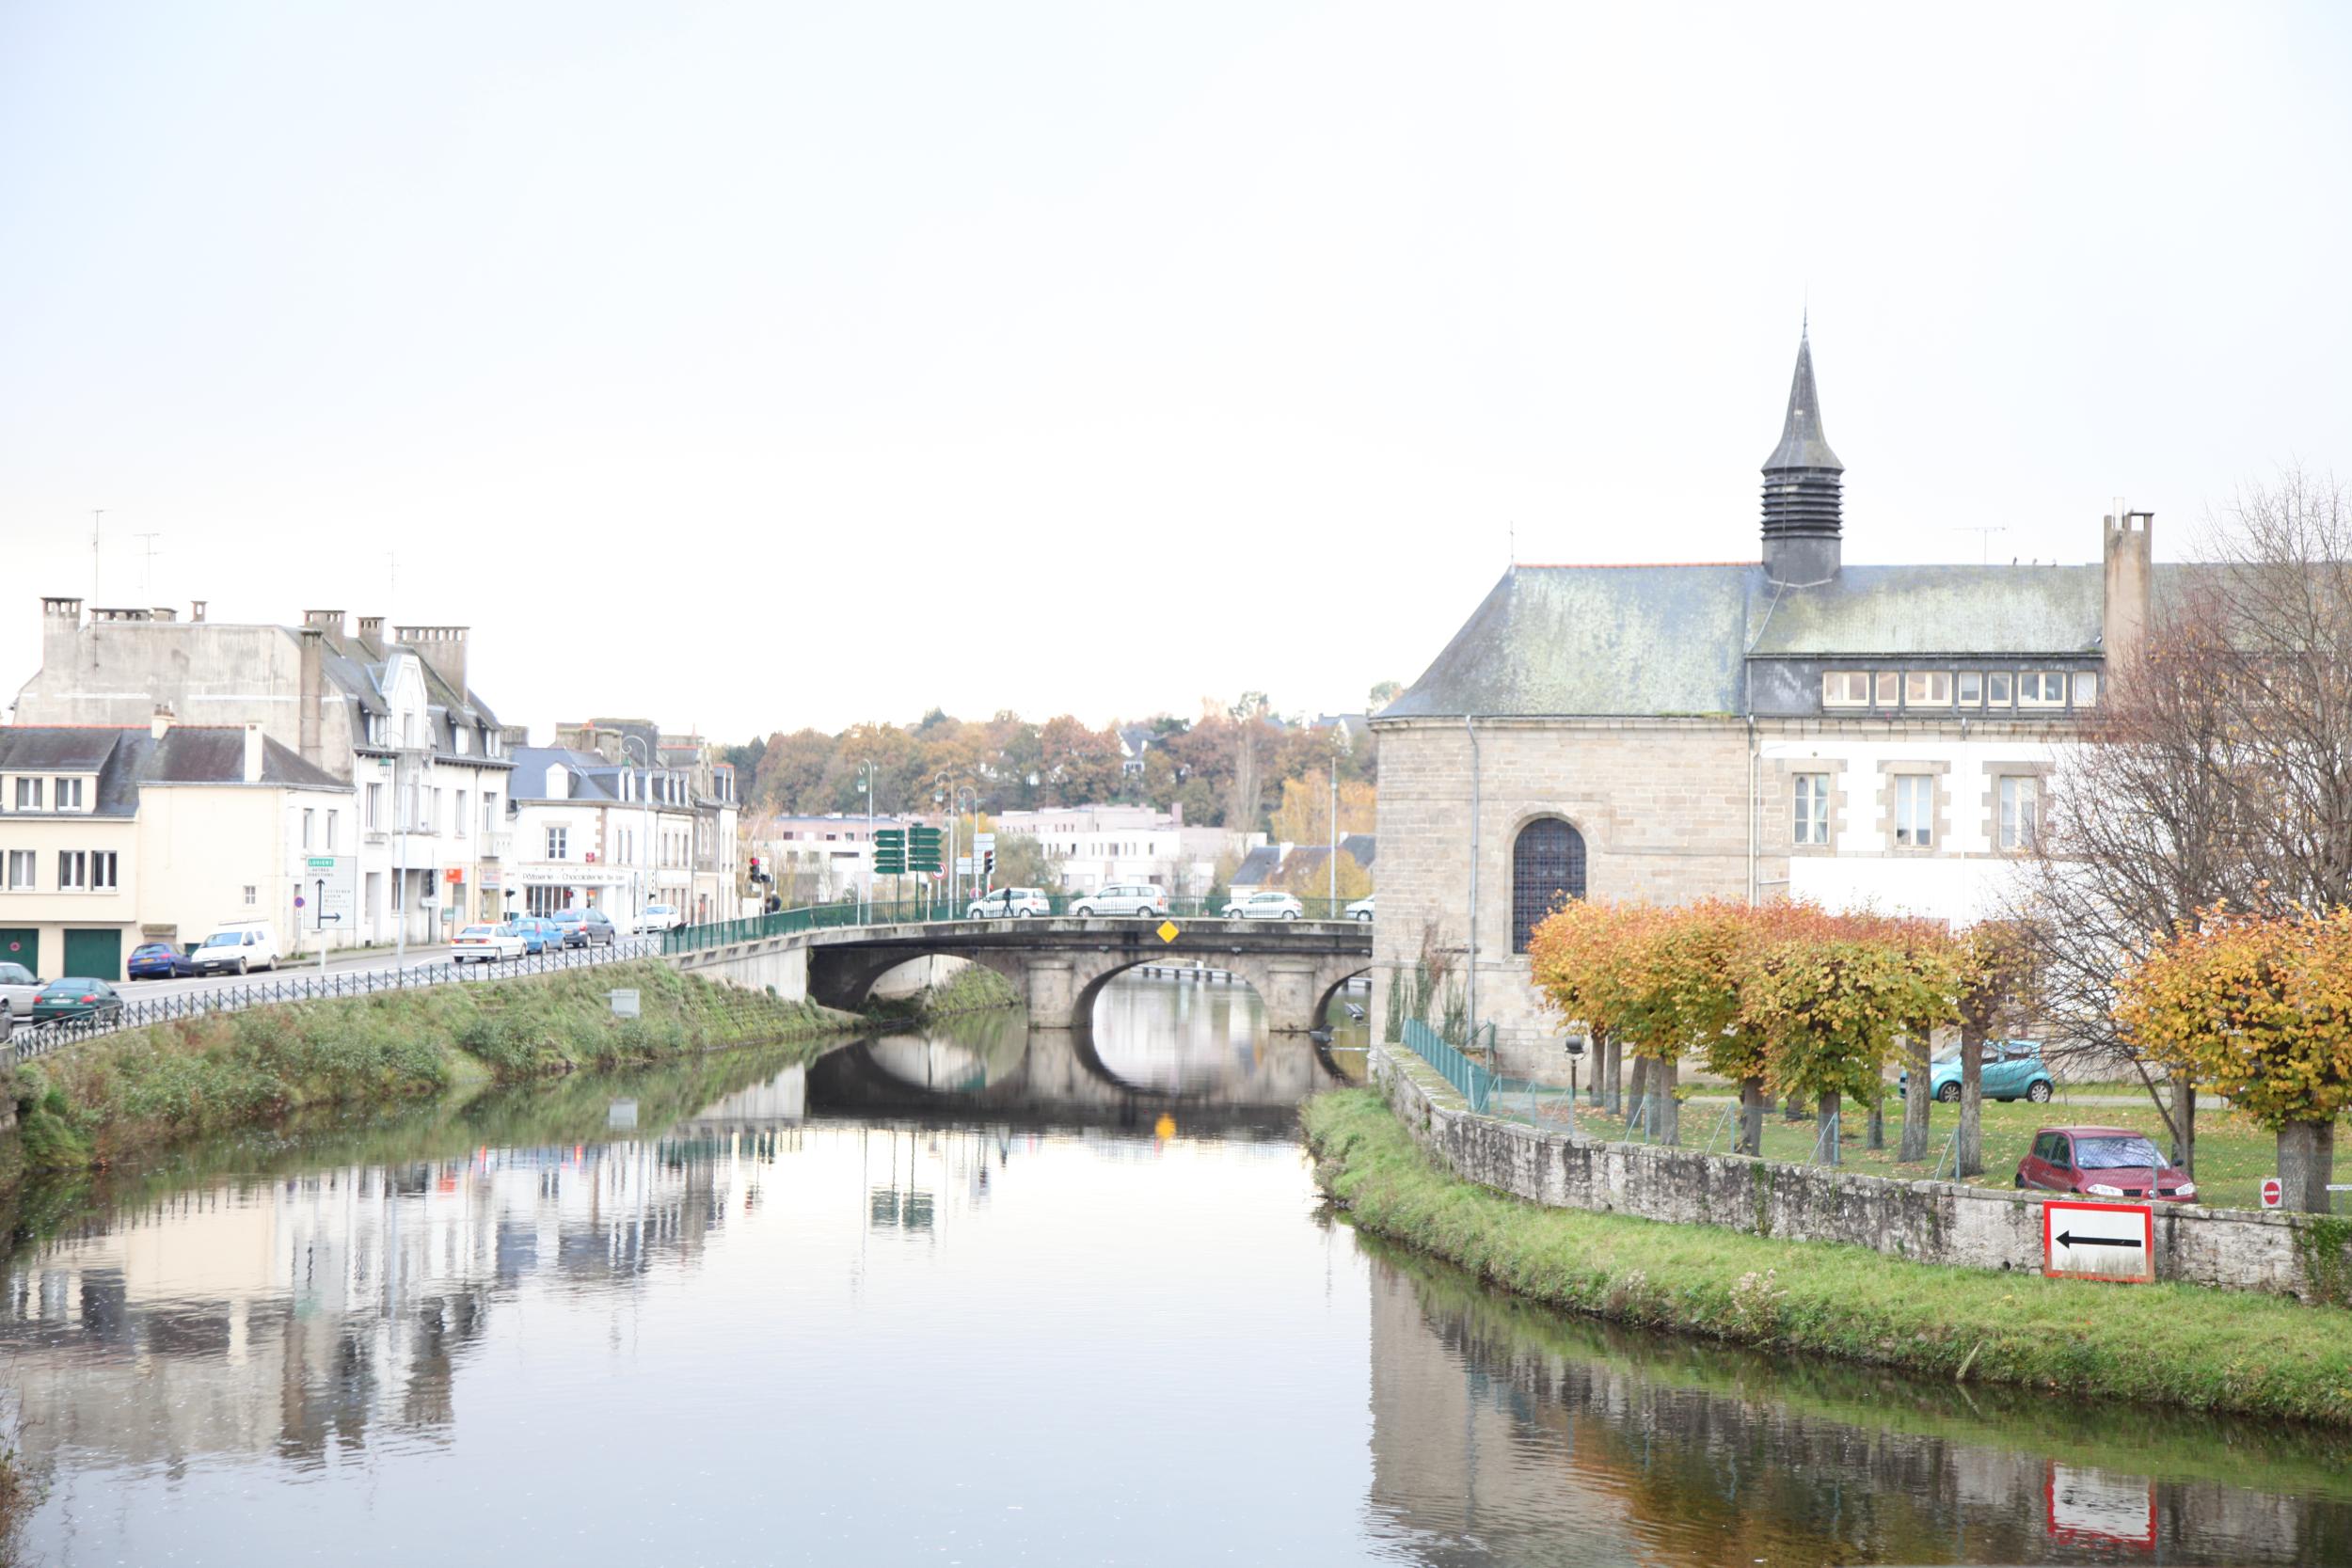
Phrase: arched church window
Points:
(1546, 863)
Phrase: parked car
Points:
(585, 928)
(241, 947)
(486, 944)
(2103, 1162)
(1266, 904)
(659, 917)
(1010, 902)
(1123, 898)
(2013, 1071)
(539, 934)
(159, 960)
(18, 987)
(76, 997)
(1361, 908)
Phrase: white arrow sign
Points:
(2099, 1241)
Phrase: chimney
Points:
(253, 753)
(159, 724)
(2127, 549)
(163, 612)
(325, 620)
(372, 633)
(310, 719)
(60, 629)
(442, 648)
(196, 610)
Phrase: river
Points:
(973, 1297)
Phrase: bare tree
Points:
(2218, 770)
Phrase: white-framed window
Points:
(1914, 811)
(1927, 689)
(1845, 688)
(374, 807)
(2041, 688)
(558, 844)
(72, 871)
(2020, 809)
(460, 817)
(1890, 689)
(310, 822)
(253, 894)
(1809, 821)
(331, 814)
(21, 873)
(28, 794)
(1997, 687)
(2086, 689)
(69, 794)
(102, 870)
(1970, 686)
(489, 812)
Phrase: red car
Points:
(2102, 1162)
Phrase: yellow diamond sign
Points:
(1167, 930)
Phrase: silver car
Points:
(1361, 908)
(1123, 898)
(1018, 902)
(1266, 904)
(18, 988)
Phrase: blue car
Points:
(2013, 1071)
(158, 961)
(539, 935)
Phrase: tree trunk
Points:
(1876, 1135)
(1637, 1097)
(1665, 1111)
(2184, 1122)
(1918, 1097)
(1611, 1066)
(1971, 1162)
(1754, 1103)
(1825, 1131)
(1792, 1108)
(2307, 1160)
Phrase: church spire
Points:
(1801, 510)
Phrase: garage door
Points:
(21, 945)
(93, 953)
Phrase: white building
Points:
(817, 859)
(590, 833)
(1094, 846)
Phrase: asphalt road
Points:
(382, 961)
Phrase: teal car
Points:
(2013, 1071)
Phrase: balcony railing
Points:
(496, 847)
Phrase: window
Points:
(1914, 810)
(461, 817)
(102, 870)
(2086, 689)
(28, 794)
(1971, 687)
(375, 806)
(1547, 867)
(253, 894)
(558, 844)
(331, 814)
(69, 795)
(1997, 688)
(2041, 688)
(72, 871)
(489, 812)
(19, 871)
(1927, 689)
(2021, 813)
(308, 817)
(1811, 821)
(1890, 685)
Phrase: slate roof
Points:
(591, 774)
(125, 759)
(1258, 867)
(1360, 847)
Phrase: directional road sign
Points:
(890, 851)
(2099, 1241)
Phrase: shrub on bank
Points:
(2175, 1344)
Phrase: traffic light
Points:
(890, 852)
(923, 848)
(987, 868)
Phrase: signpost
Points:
(335, 885)
(2274, 1194)
(2114, 1242)
(890, 852)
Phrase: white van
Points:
(248, 945)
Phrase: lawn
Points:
(2233, 1154)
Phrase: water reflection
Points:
(1079, 1285)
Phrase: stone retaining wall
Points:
(1929, 1222)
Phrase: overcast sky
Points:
(763, 365)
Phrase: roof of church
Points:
(1803, 445)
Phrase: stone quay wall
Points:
(1926, 1222)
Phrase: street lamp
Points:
(645, 810)
(866, 787)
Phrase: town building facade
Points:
(1789, 726)
(1097, 847)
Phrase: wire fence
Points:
(1470, 1080)
(29, 1041)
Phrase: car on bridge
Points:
(1266, 904)
(1123, 898)
(1361, 908)
(659, 917)
(486, 944)
(1010, 903)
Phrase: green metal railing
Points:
(892, 911)
(1471, 1081)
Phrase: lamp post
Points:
(645, 811)
(866, 787)
(955, 796)
(943, 795)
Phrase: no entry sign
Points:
(2099, 1241)
(2274, 1195)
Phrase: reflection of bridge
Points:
(1059, 963)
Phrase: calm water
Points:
(974, 1298)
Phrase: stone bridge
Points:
(1058, 964)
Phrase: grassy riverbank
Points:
(95, 1103)
(2172, 1344)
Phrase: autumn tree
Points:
(1305, 814)
(2261, 1008)
(1828, 1009)
(1581, 958)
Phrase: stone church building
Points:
(1792, 726)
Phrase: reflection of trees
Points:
(1497, 1424)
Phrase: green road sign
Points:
(923, 848)
(322, 863)
(890, 851)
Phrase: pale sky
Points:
(763, 365)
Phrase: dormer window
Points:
(28, 794)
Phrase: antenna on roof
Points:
(95, 513)
(1511, 536)
(1984, 533)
